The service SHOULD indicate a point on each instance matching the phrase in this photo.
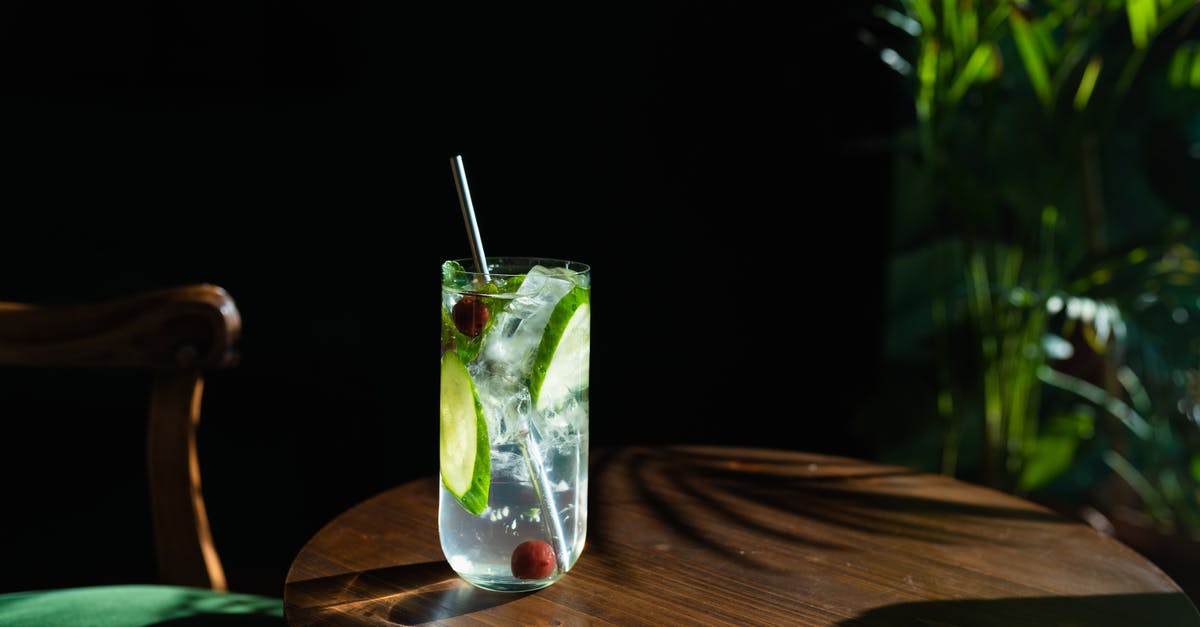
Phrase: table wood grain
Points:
(694, 535)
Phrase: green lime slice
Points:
(561, 365)
(466, 459)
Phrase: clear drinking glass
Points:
(516, 346)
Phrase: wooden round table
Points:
(711, 535)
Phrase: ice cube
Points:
(509, 463)
(505, 398)
(501, 371)
(521, 323)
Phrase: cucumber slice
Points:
(561, 365)
(466, 458)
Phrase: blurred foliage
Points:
(1043, 302)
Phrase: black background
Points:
(706, 158)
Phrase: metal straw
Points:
(531, 451)
(468, 211)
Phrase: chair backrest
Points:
(177, 333)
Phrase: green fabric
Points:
(137, 606)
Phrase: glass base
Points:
(508, 584)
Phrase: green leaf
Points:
(951, 25)
(1180, 66)
(995, 20)
(1151, 498)
(1143, 21)
(453, 274)
(927, 72)
(1043, 32)
(1087, 83)
(1194, 76)
(972, 72)
(1132, 420)
(969, 19)
(1134, 388)
(924, 12)
(1031, 56)
(1050, 458)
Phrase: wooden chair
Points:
(177, 333)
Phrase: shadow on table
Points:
(1144, 610)
(766, 491)
(405, 594)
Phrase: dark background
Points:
(710, 160)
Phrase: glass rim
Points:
(498, 264)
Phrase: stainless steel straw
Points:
(468, 211)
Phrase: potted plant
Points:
(1043, 311)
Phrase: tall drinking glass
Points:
(516, 346)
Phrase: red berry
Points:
(532, 559)
(469, 316)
